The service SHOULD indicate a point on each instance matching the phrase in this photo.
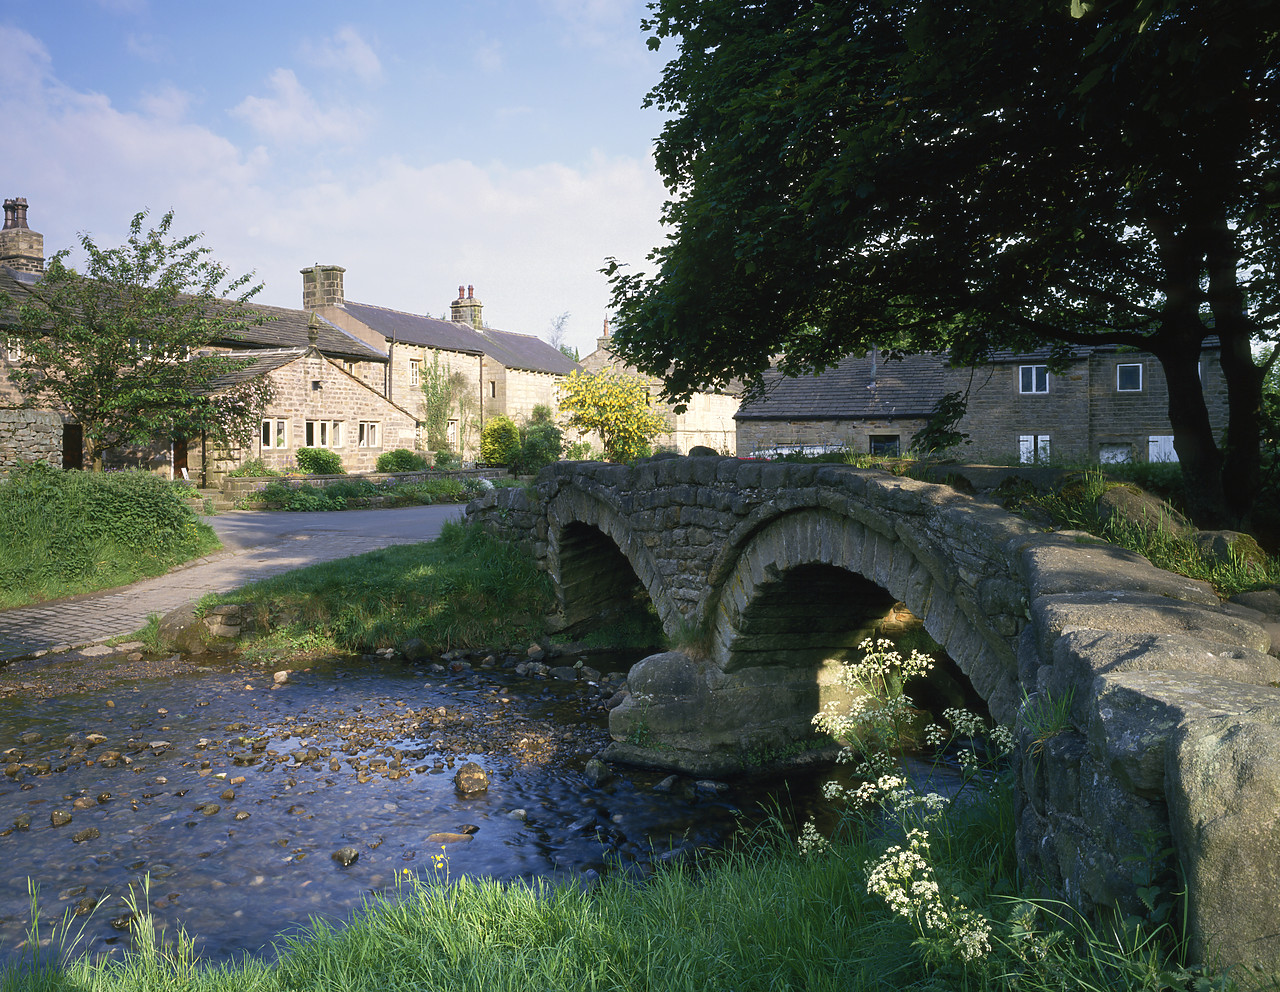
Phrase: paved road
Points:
(256, 544)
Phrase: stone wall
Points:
(28, 436)
(853, 435)
(1172, 720)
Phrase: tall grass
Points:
(63, 533)
(762, 917)
(463, 589)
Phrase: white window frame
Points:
(1129, 389)
(324, 434)
(274, 433)
(1039, 377)
(368, 432)
(1033, 449)
(415, 371)
(872, 439)
(348, 367)
(451, 434)
(13, 349)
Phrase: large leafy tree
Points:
(123, 348)
(970, 175)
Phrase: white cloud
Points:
(291, 114)
(149, 48)
(167, 103)
(488, 56)
(345, 51)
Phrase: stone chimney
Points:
(322, 286)
(605, 339)
(466, 309)
(21, 248)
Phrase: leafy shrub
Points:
(447, 460)
(499, 441)
(319, 461)
(581, 451)
(401, 460)
(64, 532)
(541, 444)
(254, 468)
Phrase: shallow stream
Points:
(231, 793)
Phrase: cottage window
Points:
(1033, 378)
(1033, 449)
(493, 389)
(349, 367)
(324, 433)
(1115, 454)
(274, 434)
(368, 434)
(415, 371)
(451, 434)
(1129, 378)
(13, 348)
(887, 445)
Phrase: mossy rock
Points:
(1124, 503)
(1226, 546)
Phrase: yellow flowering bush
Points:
(615, 406)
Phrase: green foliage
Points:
(540, 444)
(122, 346)
(940, 433)
(464, 589)
(582, 451)
(615, 406)
(69, 532)
(447, 460)
(319, 461)
(401, 460)
(254, 468)
(934, 177)
(500, 440)
(446, 395)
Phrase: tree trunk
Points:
(1193, 440)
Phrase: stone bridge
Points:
(765, 575)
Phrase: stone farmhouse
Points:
(346, 376)
(318, 402)
(1109, 404)
(708, 417)
(511, 373)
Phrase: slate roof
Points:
(525, 352)
(412, 328)
(261, 361)
(905, 387)
(285, 328)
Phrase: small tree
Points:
(444, 393)
(615, 406)
(118, 348)
(500, 440)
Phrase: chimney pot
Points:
(460, 293)
(471, 292)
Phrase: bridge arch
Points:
(789, 547)
(598, 559)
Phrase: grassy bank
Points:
(63, 533)
(764, 918)
(465, 588)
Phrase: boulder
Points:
(1224, 811)
(1143, 512)
(471, 779)
(1227, 546)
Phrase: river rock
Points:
(597, 773)
(281, 677)
(30, 737)
(59, 817)
(564, 673)
(447, 838)
(471, 779)
(345, 856)
(415, 649)
(88, 833)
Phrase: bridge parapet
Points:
(762, 573)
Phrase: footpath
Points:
(295, 541)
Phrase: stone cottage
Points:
(1108, 404)
(509, 373)
(320, 375)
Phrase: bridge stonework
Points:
(765, 575)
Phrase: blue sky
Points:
(420, 145)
